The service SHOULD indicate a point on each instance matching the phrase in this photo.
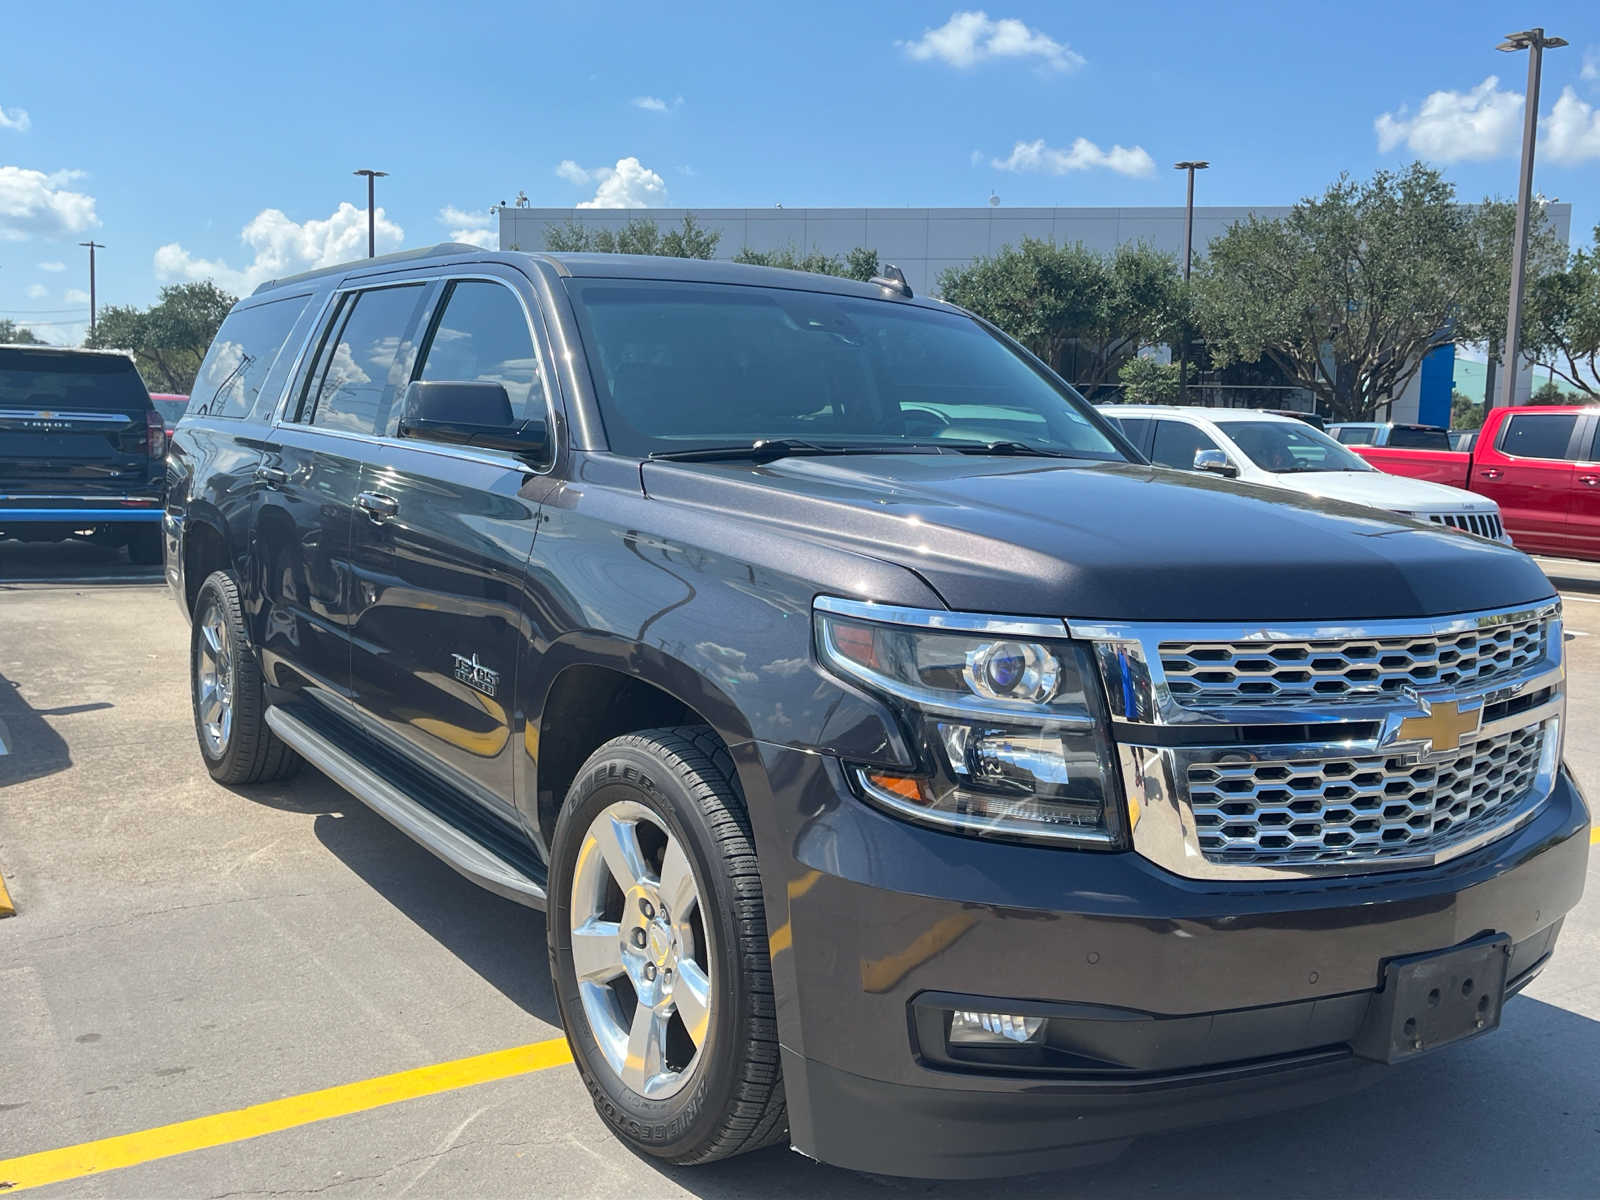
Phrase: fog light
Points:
(989, 1028)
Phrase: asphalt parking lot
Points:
(183, 951)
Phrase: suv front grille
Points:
(1483, 524)
(1202, 674)
(1289, 811)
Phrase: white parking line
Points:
(1581, 599)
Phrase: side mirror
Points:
(1216, 462)
(469, 413)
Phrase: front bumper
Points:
(1188, 1001)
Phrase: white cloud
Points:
(52, 266)
(75, 296)
(14, 118)
(1590, 72)
(473, 228)
(1456, 126)
(32, 202)
(629, 184)
(1084, 155)
(969, 38)
(283, 247)
(37, 291)
(1571, 133)
(655, 103)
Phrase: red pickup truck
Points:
(1541, 464)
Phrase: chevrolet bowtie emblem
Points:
(1444, 724)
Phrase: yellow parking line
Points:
(164, 1141)
(1594, 836)
(7, 909)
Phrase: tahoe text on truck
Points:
(909, 771)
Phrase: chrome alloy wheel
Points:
(214, 681)
(640, 950)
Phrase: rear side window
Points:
(242, 353)
(1137, 431)
(482, 336)
(46, 381)
(1538, 435)
(1177, 443)
(1411, 437)
(1352, 436)
(365, 361)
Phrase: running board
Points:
(417, 822)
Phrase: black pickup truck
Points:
(907, 769)
(82, 450)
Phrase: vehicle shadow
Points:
(70, 562)
(32, 748)
(503, 942)
(1515, 1114)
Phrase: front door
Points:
(1528, 472)
(442, 538)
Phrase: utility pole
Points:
(372, 228)
(93, 246)
(1535, 41)
(1188, 264)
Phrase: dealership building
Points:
(923, 242)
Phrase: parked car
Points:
(1282, 452)
(909, 770)
(1376, 433)
(81, 450)
(171, 407)
(1540, 463)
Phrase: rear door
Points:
(440, 549)
(1583, 515)
(74, 424)
(310, 472)
(1529, 471)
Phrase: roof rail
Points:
(381, 260)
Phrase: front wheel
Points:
(658, 949)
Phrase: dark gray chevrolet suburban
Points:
(907, 769)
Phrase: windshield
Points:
(680, 366)
(1290, 448)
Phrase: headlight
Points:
(1010, 734)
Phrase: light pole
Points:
(372, 177)
(93, 246)
(1535, 41)
(1188, 263)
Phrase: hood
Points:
(1397, 493)
(1111, 541)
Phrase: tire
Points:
(237, 744)
(144, 547)
(722, 1095)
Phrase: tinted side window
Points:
(482, 335)
(1538, 435)
(1176, 443)
(1403, 438)
(1356, 437)
(1137, 430)
(365, 362)
(241, 354)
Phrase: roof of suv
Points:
(614, 266)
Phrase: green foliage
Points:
(12, 334)
(1054, 299)
(1465, 412)
(639, 236)
(1564, 320)
(1146, 381)
(1352, 288)
(860, 263)
(170, 338)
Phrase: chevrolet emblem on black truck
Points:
(910, 772)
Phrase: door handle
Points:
(377, 506)
(272, 476)
(1590, 480)
(1493, 473)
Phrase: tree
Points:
(12, 334)
(169, 339)
(1564, 319)
(1350, 290)
(1146, 381)
(639, 236)
(1465, 412)
(860, 263)
(1070, 301)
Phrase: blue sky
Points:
(205, 139)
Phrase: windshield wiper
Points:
(1018, 449)
(764, 450)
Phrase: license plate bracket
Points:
(1436, 999)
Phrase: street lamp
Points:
(372, 176)
(1534, 40)
(1190, 166)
